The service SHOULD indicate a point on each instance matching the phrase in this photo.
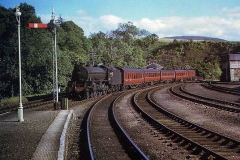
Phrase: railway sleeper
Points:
(209, 145)
(181, 127)
(108, 148)
(107, 156)
(183, 131)
(206, 144)
(198, 150)
(192, 137)
(204, 141)
(218, 149)
(162, 138)
(200, 132)
(227, 154)
(190, 134)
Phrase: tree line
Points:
(127, 46)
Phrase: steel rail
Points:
(210, 99)
(235, 110)
(134, 145)
(176, 118)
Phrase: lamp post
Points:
(20, 109)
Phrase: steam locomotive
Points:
(91, 81)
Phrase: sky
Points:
(211, 18)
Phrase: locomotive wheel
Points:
(109, 90)
(92, 94)
(99, 93)
(105, 89)
(87, 95)
(95, 94)
(104, 92)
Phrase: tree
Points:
(125, 31)
(73, 42)
(9, 47)
(60, 20)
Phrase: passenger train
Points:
(91, 81)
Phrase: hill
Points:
(195, 38)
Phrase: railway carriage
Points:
(132, 77)
(151, 76)
(191, 74)
(167, 75)
(181, 75)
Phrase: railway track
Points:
(126, 118)
(29, 105)
(194, 138)
(43, 104)
(221, 88)
(106, 138)
(179, 91)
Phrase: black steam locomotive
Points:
(89, 81)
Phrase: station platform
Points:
(41, 136)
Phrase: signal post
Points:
(51, 25)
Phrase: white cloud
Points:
(225, 27)
(110, 21)
(45, 18)
(81, 12)
(151, 25)
(199, 26)
(231, 12)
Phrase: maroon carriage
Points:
(151, 76)
(132, 77)
(181, 75)
(191, 74)
(167, 75)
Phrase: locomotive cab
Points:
(114, 78)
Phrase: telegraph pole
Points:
(52, 26)
(92, 56)
(111, 54)
(55, 68)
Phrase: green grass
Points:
(12, 101)
(25, 99)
